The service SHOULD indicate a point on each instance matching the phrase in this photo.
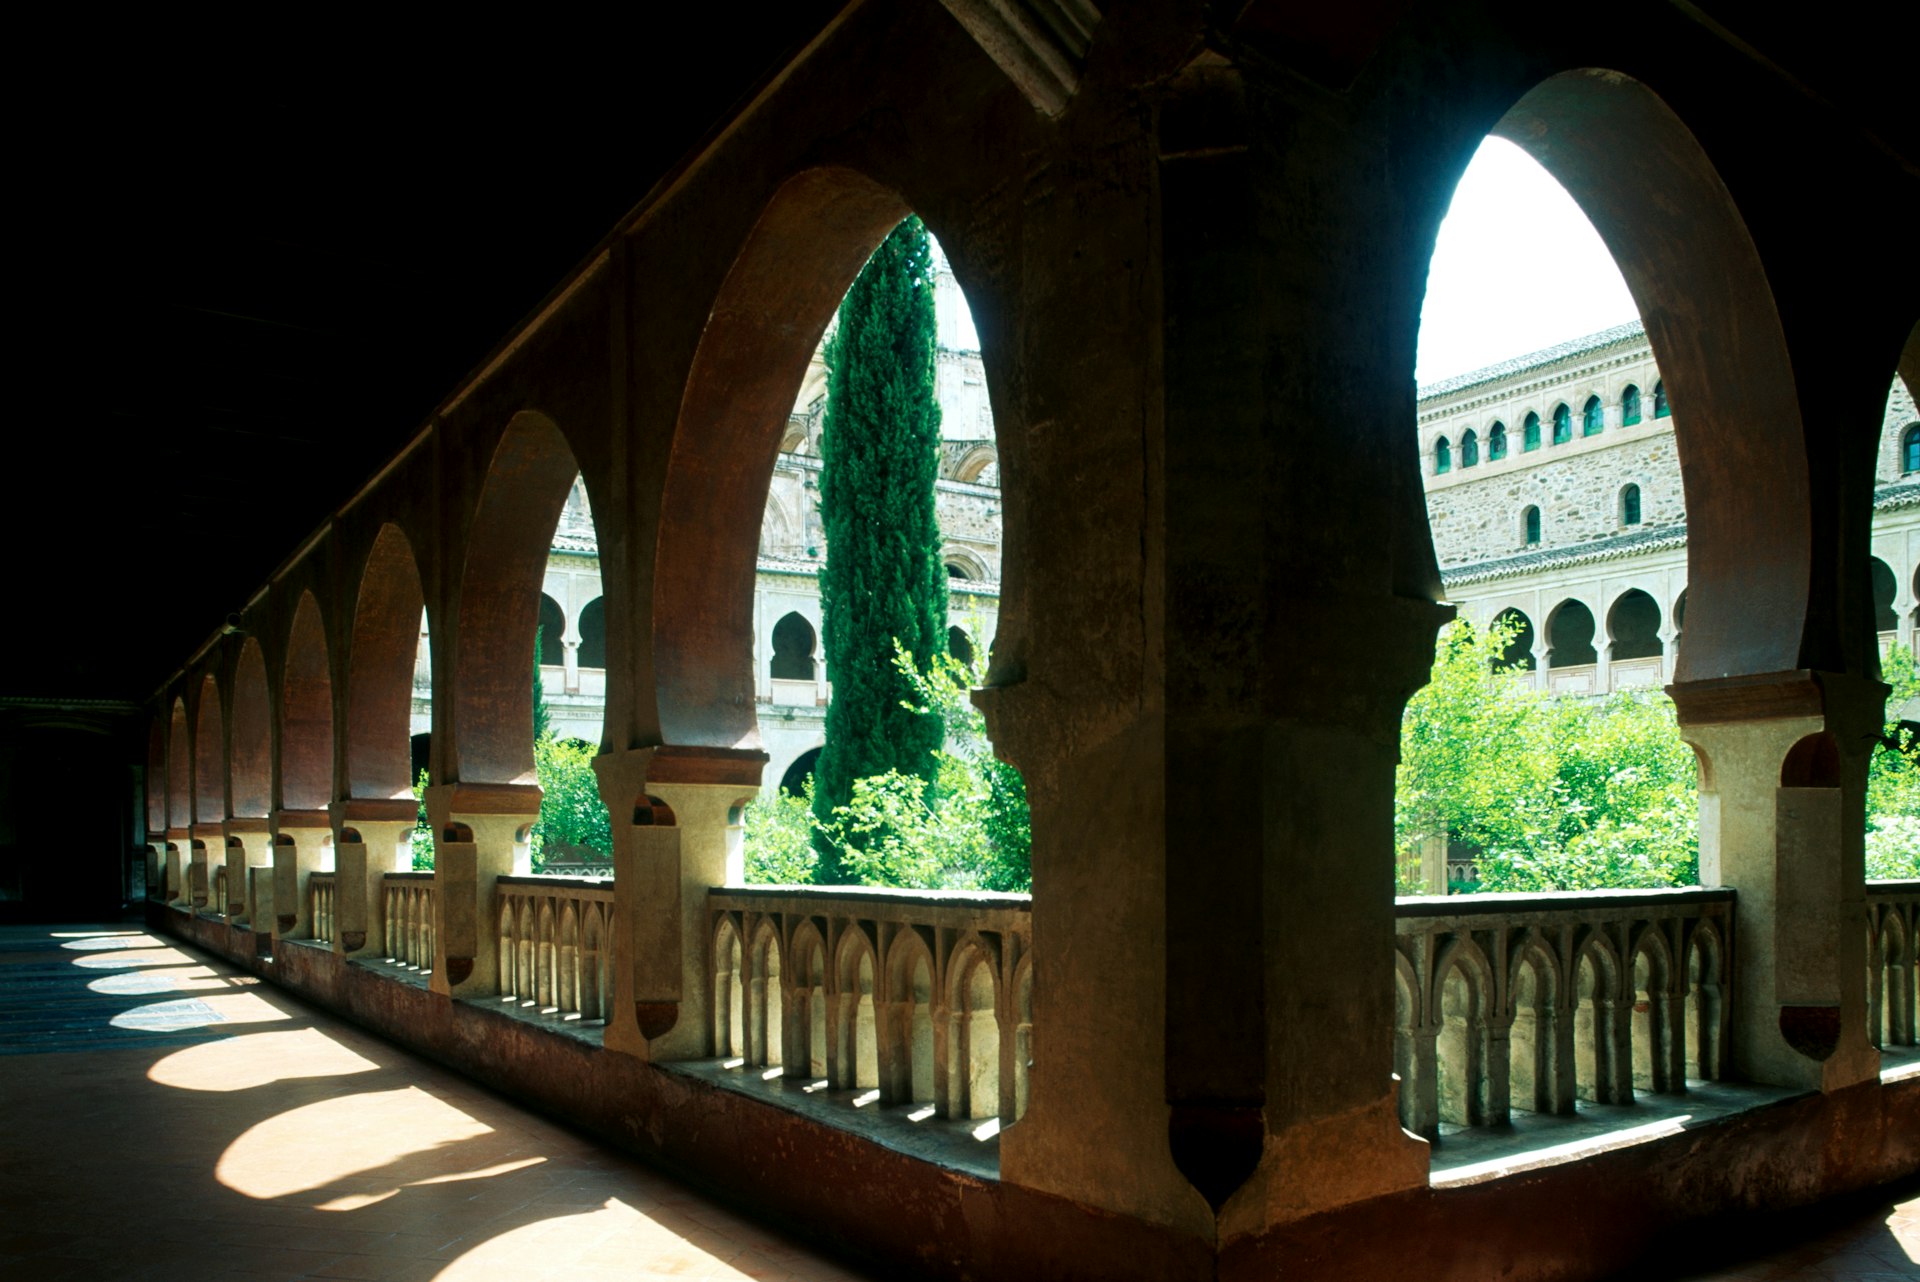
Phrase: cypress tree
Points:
(883, 580)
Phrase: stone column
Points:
(1782, 819)
(570, 652)
(372, 839)
(481, 833)
(300, 842)
(1669, 647)
(677, 834)
(249, 846)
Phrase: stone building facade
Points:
(1553, 488)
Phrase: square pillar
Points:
(302, 841)
(1783, 764)
(249, 846)
(677, 835)
(481, 836)
(372, 837)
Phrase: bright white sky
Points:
(1517, 268)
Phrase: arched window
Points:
(1442, 456)
(1884, 617)
(593, 633)
(1496, 441)
(1630, 406)
(1562, 424)
(1530, 526)
(793, 641)
(1910, 449)
(1469, 448)
(1660, 408)
(1518, 654)
(1530, 432)
(1570, 632)
(1592, 417)
(1634, 626)
(960, 645)
(553, 626)
(1630, 505)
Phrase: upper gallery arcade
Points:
(1193, 241)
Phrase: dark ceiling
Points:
(247, 285)
(242, 284)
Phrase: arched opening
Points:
(1562, 424)
(251, 759)
(210, 757)
(1517, 654)
(179, 769)
(1595, 1031)
(553, 632)
(751, 484)
(1442, 456)
(1530, 432)
(960, 645)
(1910, 450)
(1469, 449)
(1533, 1043)
(306, 713)
(1496, 442)
(857, 1025)
(1885, 619)
(502, 607)
(1530, 526)
(793, 646)
(381, 666)
(794, 781)
(1460, 1057)
(1704, 1012)
(593, 633)
(1660, 407)
(766, 1000)
(1570, 630)
(1634, 625)
(1629, 406)
(1630, 505)
(1652, 1020)
(729, 994)
(976, 1039)
(1592, 417)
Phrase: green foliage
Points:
(966, 829)
(1548, 793)
(422, 828)
(779, 840)
(542, 718)
(883, 579)
(1893, 781)
(574, 825)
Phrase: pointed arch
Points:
(382, 654)
(306, 713)
(209, 756)
(1699, 285)
(179, 768)
(250, 761)
(792, 270)
(528, 482)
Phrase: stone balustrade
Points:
(408, 913)
(556, 945)
(218, 901)
(923, 996)
(1534, 1002)
(320, 902)
(1893, 914)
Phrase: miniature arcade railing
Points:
(320, 897)
(925, 997)
(217, 901)
(1532, 1002)
(1893, 914)
(556, 944)
(407, 904)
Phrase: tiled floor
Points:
(166, 1118)
(163, 1117)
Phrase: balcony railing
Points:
(408, 904)
(1893, 914)
(925, 997)
(217, 901)
(556, 945)
(1534, 1002)
(320, 886)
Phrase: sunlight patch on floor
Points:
(362, 1145)
(250, 1060)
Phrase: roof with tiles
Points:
(1531, 361)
